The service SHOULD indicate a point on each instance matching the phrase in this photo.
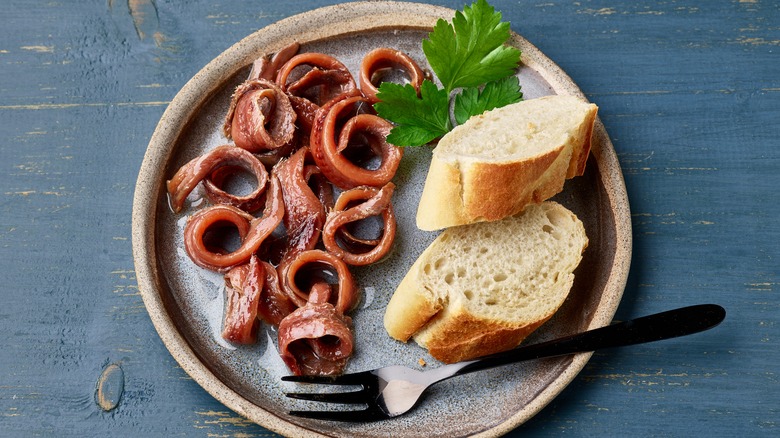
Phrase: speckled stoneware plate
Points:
(185, 302)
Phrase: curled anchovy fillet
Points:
(383, 59)
(208, 166)
(344, 293)
(218, 178)
(261, 117)
(306, 110)
(243, 287)
(374, 202)
(338, 127)
(274, 303)
(267, 66)
(319, 185)
(316, 77)
(252, 231)
(304, 214)
(316, 340)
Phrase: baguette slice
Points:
(495, 164)
(482, 288)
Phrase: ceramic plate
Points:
(185, 302)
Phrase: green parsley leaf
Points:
(495, 94)
(418, 120)
(470, 51)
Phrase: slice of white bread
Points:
(482, 288)
(495, 164)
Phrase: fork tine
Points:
(365, 415)
(344, 379)
(334, 397)
(308, 379)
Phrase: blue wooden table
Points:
(688, 90)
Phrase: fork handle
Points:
(656, 327)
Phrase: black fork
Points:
(392, 391)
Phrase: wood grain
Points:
(688, 91)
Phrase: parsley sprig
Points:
(418, 120)
(476, 71)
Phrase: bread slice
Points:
(495, 164)
(482, 288)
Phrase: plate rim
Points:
(374, 15)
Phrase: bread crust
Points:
(580, 154)
(442, 202)
(486, 340)
(511, 186)
(456, 334)
(411, 306)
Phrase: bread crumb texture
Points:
(496, 270)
